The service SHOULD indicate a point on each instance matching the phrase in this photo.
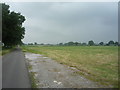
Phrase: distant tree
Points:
(111, 43)
(35, 43)
(91, 43)
(70, 43)
(61, 44)
(76, 43)
(12, 30)
(101, 43)
(24, 44)
(48, 44)
(66, 44)
(79, 44)
(30, 43)
(42, 44)
(106, 44)
(116, 43)
(83, 44)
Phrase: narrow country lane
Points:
(15, 74)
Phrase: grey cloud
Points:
(61, 22)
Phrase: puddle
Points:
(32, 56)
(45, 57)
(33, 70)
(32, 63)
(57, 82)
(36, 75)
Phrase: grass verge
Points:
(0, 50)
(32, 77)
(5, 51)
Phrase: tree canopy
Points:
(111, 42)
(91, 43)
(101, 43)
(12, 30)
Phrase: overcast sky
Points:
(63, 22)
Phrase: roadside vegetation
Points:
(5, 51)
(0, 49)
(32, 77)
(97, 63)
(0, 52)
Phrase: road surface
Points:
(15, 74)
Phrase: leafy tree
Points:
(65, 44)
(83, 44)
(111, 42)
(116, 43)
(91, 43)
(30, 43)
(76, 43)
(61, 44)
(101, 43)
(70, 43)
(42, 44)
(35, 43)
(79, 44)
(12, 30)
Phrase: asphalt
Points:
(14, 70)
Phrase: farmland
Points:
(97, 63)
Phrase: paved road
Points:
(15, 73)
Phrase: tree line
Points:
(90, 43)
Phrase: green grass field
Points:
(97, 63)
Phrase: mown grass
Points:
(97, 63)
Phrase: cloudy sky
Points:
(48, 22)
